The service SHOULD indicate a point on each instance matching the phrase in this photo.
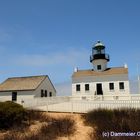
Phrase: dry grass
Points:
(123, 120)
(57, 126)
(63, 127)
(42, 126)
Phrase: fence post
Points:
(99, 105)
(72, 107)
(47, 107)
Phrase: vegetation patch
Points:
(22, 124)
(37, 115)
(61, 127)
(118, 120)
(11, 114)
(48, 131)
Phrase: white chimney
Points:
(125, 65)
(75, 69)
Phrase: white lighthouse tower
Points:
(108, 82)
(99, 58)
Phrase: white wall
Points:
(5, 96)
(21, 96)
(45, 85)
(105, 88)
(101, 62)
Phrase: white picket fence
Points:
(71, 104)
(85, 106)
(45, 101)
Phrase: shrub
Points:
(12, 135)
(11, 114)
(48, 131)
(37, 115)
(59, 127)
(100, 117)
(34, 115)
(118, 120)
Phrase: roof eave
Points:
(17, 90)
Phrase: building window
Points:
(86, 87)
(45, 93)
(111, 86)
(50, 94)
(42, 93)
(77, 87)
(121, 85)
(14, 96)
(98, 67)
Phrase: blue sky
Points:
(54, 36)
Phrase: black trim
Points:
(99, 56)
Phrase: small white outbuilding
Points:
(20, 89)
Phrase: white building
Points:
(20, 89)
(100, 80)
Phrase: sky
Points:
(51, 37)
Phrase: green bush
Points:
(11, 114)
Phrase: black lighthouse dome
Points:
(98, 52)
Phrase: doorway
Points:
(14, 96)
(99, 89)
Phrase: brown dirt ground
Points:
(82, 132)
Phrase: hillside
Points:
(81, 131)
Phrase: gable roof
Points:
(109, 71)
(22, 83)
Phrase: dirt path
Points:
(82, 132)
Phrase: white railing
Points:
(82, 104)
(85, 106)
(38, 101)
(75, 104)
(107, 97)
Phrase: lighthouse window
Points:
(111, 86)
(98, 67)
(121, 85)
(86, 87)
(78, 87)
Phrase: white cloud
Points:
(70, 57)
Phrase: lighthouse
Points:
(99, 58)
(100, 80)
